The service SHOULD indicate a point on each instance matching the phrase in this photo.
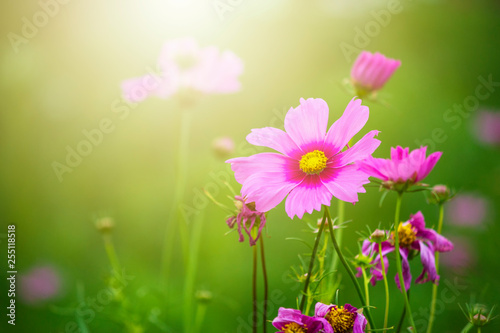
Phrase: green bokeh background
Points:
(66, 78)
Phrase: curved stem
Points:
(398, 262)
(311, 264)
(254, 290)
(386, 285)
(435, 286)
(266, 287)
(349, 270)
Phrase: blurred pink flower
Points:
(462, 257)
(404, 167)
(223, 146)
(370, 72)
(39, 284)
(488, 127)
(467, 210)
(312, 166)
(184, 65)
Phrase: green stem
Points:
(398, 261)
(200, 316)
(478, 329)
(254, 290)
(365, 282)
(401, 320)
(191, 267)
(340, 220)
(266, 286)
(349, 270)
(311, 264)
(467, 328)
(435, 286)
(386, 285)
(110, 251)
(178, 192)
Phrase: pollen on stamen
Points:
(313, 162)
(294, 328)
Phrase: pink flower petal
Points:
(307, 196)
(361, 150)
(345, 183)
(306, 124)
(351, 122)
(275, 139)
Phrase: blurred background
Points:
(62, 78)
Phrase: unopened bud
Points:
(203, 296)
(223, 147)
(105, 225)
(378, 236)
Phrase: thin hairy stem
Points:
(311, 264)
(398, 261)
(435, 286)
(386, 285)
(266, 287)
(349, 270)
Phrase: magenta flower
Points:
(488, 127)
(39, 284)
(247, 218)
(293, 321)
(468, 210)
(184, 66)
(412, 236)
(403, 168)
(370, 72)
(342, 319)
(312, 166)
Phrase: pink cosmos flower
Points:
(186, 66)
(39, 284)
(247, 218)
(413, 237)
(370, 72)
(403, 168)
(293, 321)
(312, 166)
(488, 127)
(342, 319)
(467, 210)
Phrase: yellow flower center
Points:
(407, 235)
(342, 320)
(313, 162)
(294, 328)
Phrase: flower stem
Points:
(386, 285)
(478, 329)
(113, 258)
(254, 290)
(311, 264)
(435, 286)
(349, 270)
(467, 328)
(266, 286)
(398, 262)
(173, 215)
(365, 282)
(200, 316)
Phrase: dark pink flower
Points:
(312, 166)
(414, 239)
(403, 167)
(293, 321)
(467, 210)
(488, 127)
(39, 284)
(370, 72)
(342, 319)
(247, 218)
(186, 66)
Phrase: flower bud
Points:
(223, 146)
(378, 236)
(203, 296)
(105, 225)
(439, 194)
